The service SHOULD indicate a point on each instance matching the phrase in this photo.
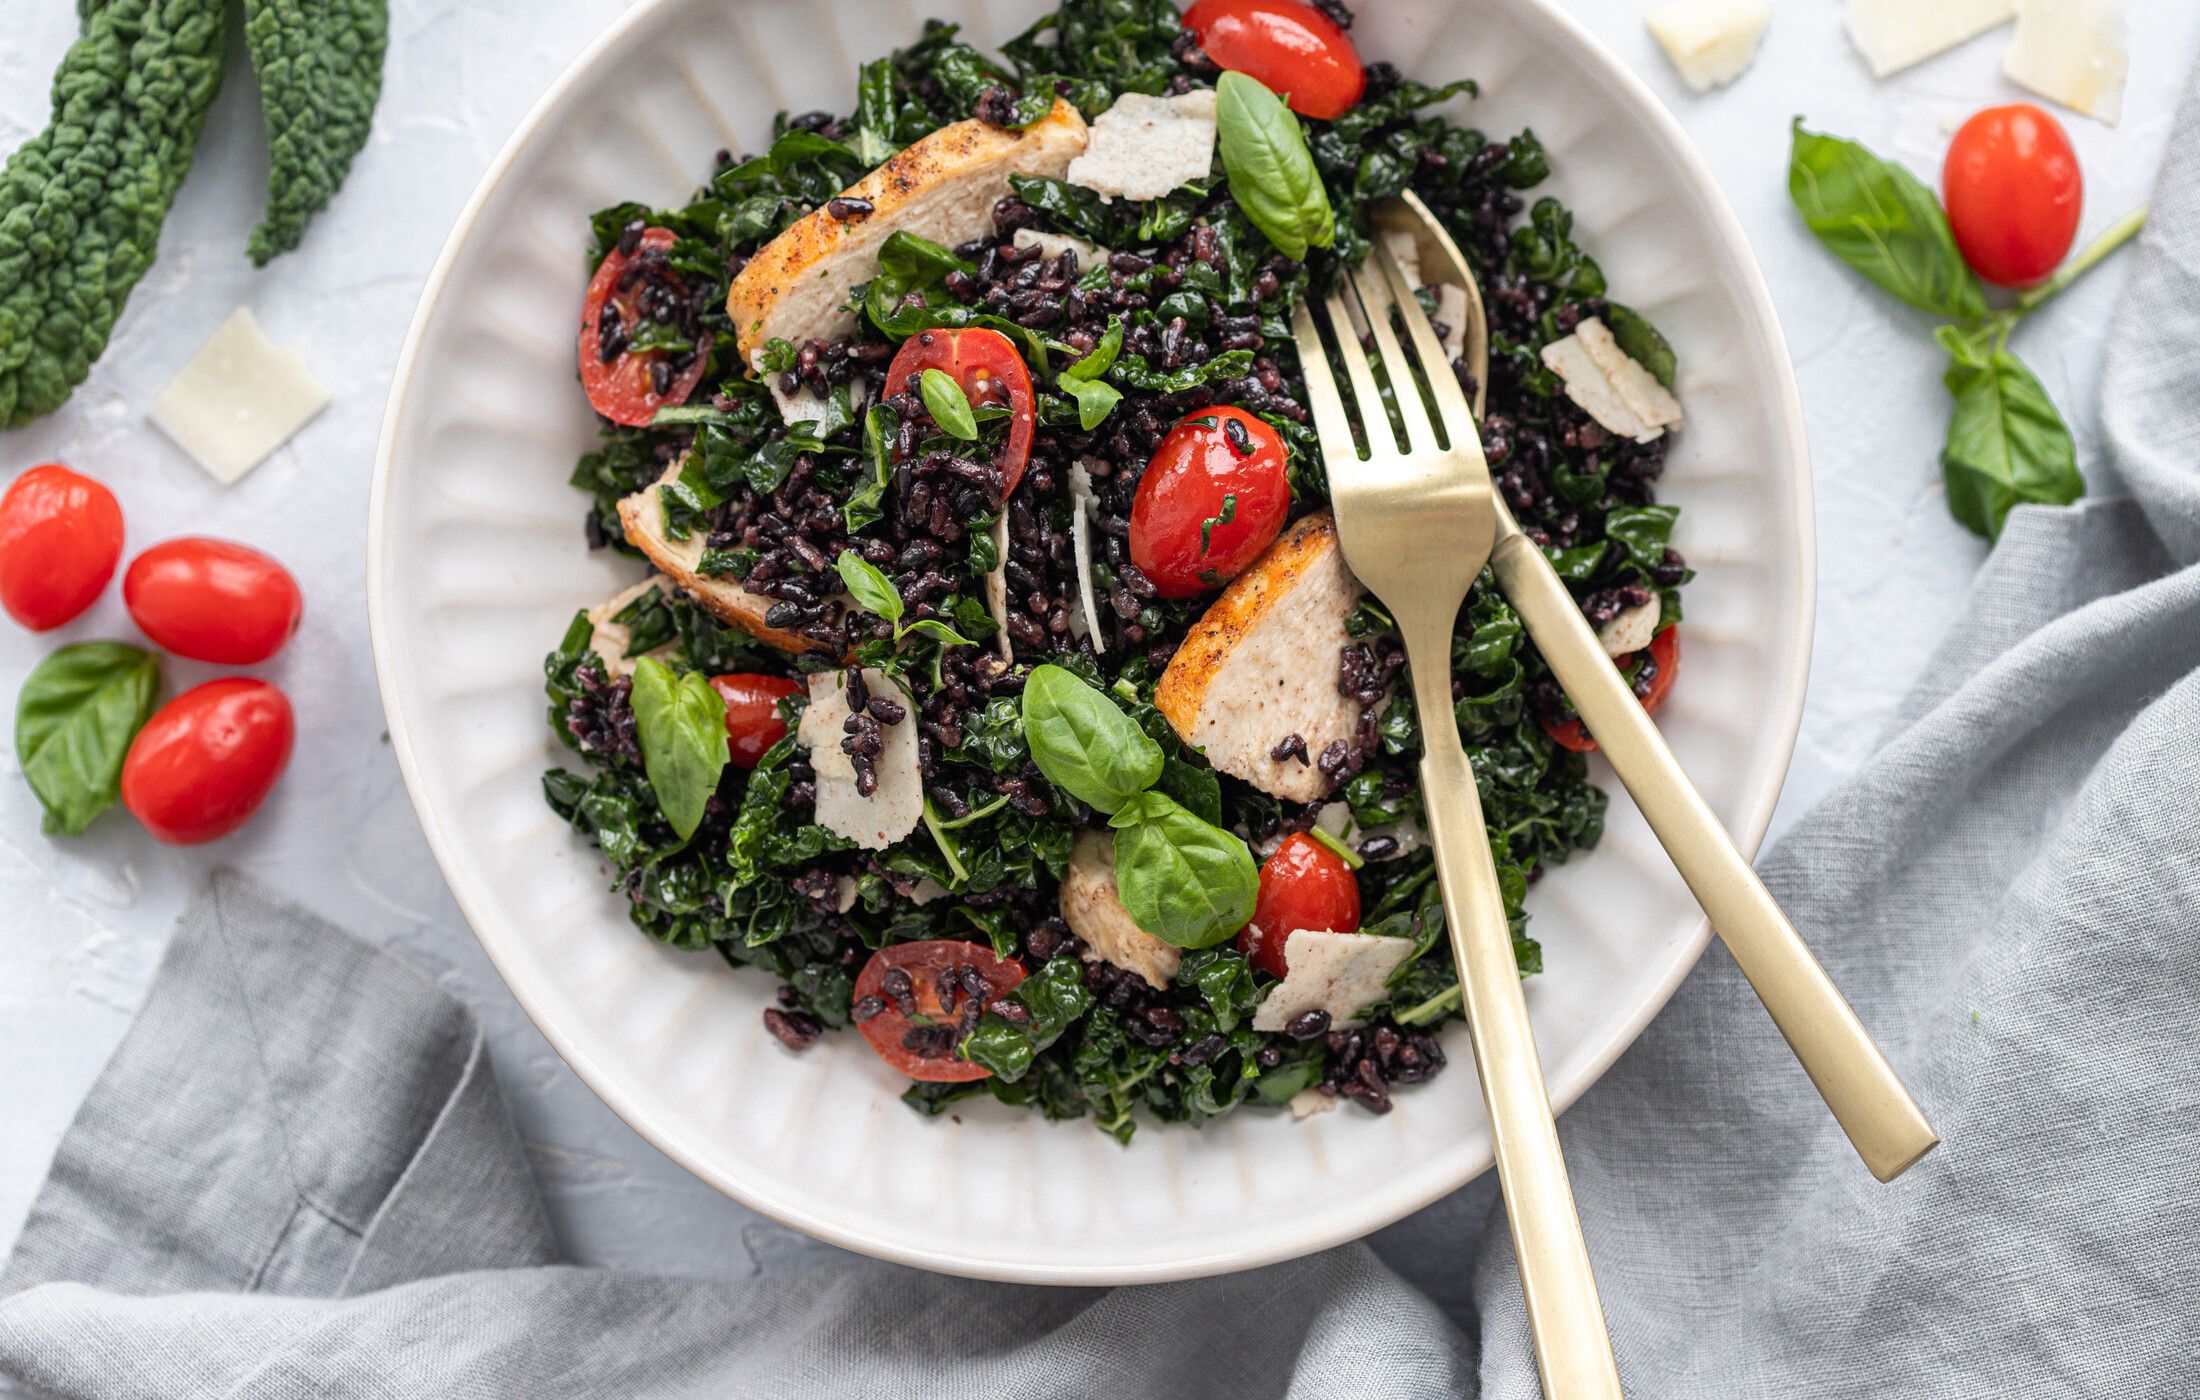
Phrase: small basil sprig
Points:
(681, 725)
(1096, 398)
(875, 593)
(2006, 443)
(1181, 878)
(1272, 174)
(74, 721)
(949, 406)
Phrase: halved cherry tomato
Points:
(2014, 193)
(920, 1042)
(1295, 50)
(60, 535)
(753, 724)
(1213, 497)
(206, 760)
(628, 387)
(986, 365)
(213, 600)
(1665, 653)
(1303, 885)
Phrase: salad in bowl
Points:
(991, 676)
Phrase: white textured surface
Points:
(88, 918)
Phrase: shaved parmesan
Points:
(1710, 42)
(1451, 299)
(1308, 1102)
(893, 811)
(1631, 630)
(241, 397)
(1143, 147)
(1895, 34)
(1082, 505)
(1340, 973)
(996, 587)
(1610, 385)
(609, 637)
(1053, 245)
(2071, 52)
(1649, 399)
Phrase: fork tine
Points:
(1331, 424)
(1362, 375)
(1452, 408)
(1375, 299)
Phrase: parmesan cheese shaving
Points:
(1143, 147)
(2071, 52)
(893, 811)
(1340, 973)
(1895, 34)
(238, 399)
(1610, 385)
(1082, 505)
(996, 587)
(1631, 630)
(609, 638)
(1709, 42)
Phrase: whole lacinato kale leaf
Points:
(319, 63)
(81, 203)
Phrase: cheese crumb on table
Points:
(1710, 42)
(238, 399)
(2071, 52)
(1896, 34)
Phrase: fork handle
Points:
(1882, 1121)
(1565, 1315)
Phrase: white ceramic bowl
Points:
(476, 564)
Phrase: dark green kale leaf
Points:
(82, 202)
(319, 63)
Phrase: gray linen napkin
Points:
(296, 1177)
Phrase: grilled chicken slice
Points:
(1263, 663)
(943, 188)
(1096, 914)
(642, 515)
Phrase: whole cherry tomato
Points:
(1213, 497)
(925, 1049)
(986, 365)
(213, 600)
(629, 386)
(60, 535)
(753, 723)
(1303, 885)
(1295, 50)
(2014, 192)
(206, 760)
(1665, 654)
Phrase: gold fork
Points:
(1416, 517)
(1883, 1123)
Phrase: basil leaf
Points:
(681, 725)
(1272, 174)
(1084, 743)
(873, 591)
(1185, 881)
(1082, 381)
(1876, 217)
(1102, 358)
(1634, 334)
(2006, 443)
(1096, 399)
(949, 406)
(935, 629)
(74, 721)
